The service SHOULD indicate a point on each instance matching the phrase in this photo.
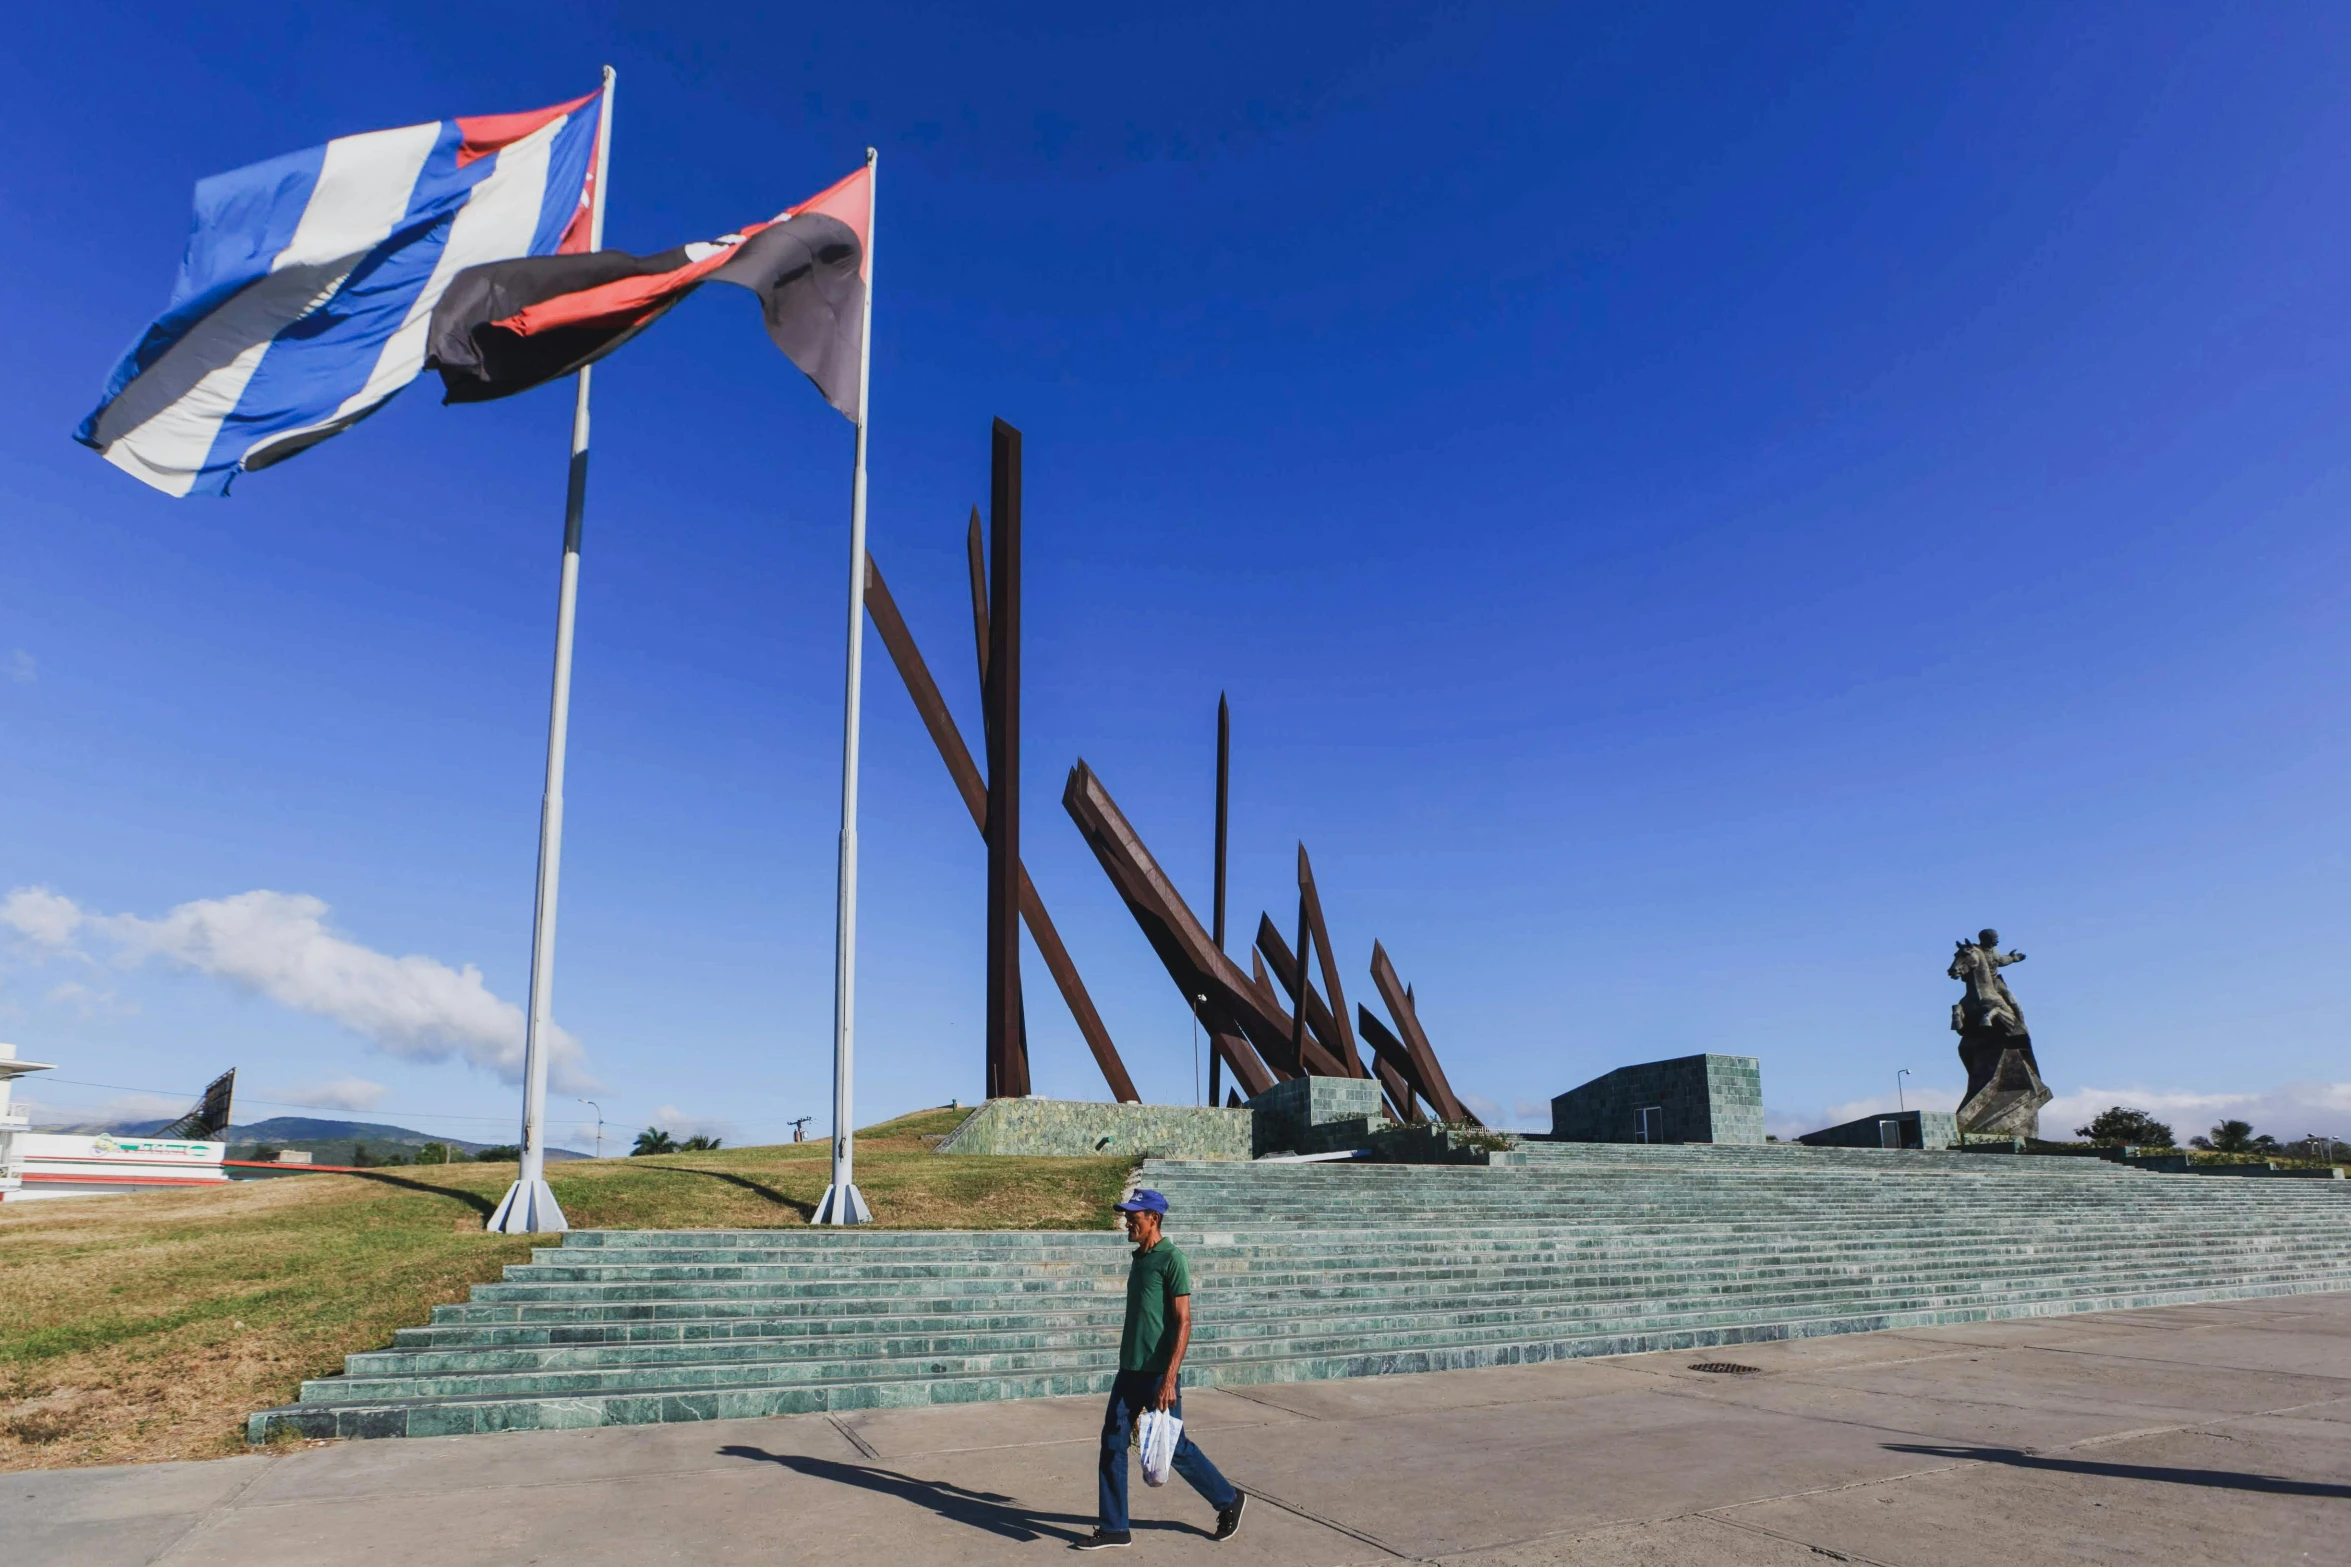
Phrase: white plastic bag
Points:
(1160, 1431)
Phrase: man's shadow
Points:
(999, 1515)
(2218, 1479)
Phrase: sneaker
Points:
(1104, 1540)
(1228, 1522)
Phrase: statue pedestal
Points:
(2004, 1088)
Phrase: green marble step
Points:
(440, 1417)
(710, 1321)
(1078, 1351)
(954, 1335)
(1274, 1266)
(1420, 1289)
(1479, 1226)
(744, 1264)
(1315, 1271)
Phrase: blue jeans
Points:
(1130, 1395)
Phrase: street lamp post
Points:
(1197, 1003)
(599, 1109)
(1899, 1105)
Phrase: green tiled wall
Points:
(1073, 1128)
(1706, 1099)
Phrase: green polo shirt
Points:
(1154, 1279)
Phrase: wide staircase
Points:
(1306, 1271)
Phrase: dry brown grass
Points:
(148, 1327)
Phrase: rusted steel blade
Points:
(1431, 1075)
(1091, 806)
(1298, 1018)
(1277, 957)
(960, 767)
(1224, 781)
(1280, 1056)
(1391, 1059)
(925, 691)
(1285, 1060)
(1396, 1091)
(1235, 1051)
(1174, 932)
(1224, 794)
(1073, 991)
(1341, 1041)
(975, 550)
(1008, 1064)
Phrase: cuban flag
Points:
(307, 293)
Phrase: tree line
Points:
(2121, 1126)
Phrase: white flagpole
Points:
(529, 1207)
(842, 1203)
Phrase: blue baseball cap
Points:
(1144, 1201)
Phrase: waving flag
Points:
(309, 284)
(508, 326)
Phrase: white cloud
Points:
(41, 916)
(48, 1115)
(680, 1125)
(344, 1093)
(22, 670)
(280, 945)
(88, 1002)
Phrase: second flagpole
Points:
(529, 1207)
(842, 1203)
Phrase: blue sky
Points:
(1695, 511)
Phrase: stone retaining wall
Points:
(1074, 1128)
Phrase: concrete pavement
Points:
(2213, 1434)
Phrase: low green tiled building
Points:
(1689, 1099)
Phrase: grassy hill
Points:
(148, 1327)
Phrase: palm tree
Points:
(2227, 1137)
(700, 1142)
(653, 1140)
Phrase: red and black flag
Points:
(512, 325)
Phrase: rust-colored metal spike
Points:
(975, 549)
(1274, 953)
(932, 706)
(1341, 1040)
(1431, 1075)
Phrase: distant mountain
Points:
(323, 1137)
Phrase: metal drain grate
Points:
(1728, 1368)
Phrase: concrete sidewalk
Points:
(2209, 1434)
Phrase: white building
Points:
(71, 1164)
(14, 1127)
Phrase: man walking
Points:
(1150, 1358)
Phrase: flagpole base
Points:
(834, 1208)
(528, 1210)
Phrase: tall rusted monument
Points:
(1256, 1037)
(930, 704)
(1224, 796)
(1008, 1056)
